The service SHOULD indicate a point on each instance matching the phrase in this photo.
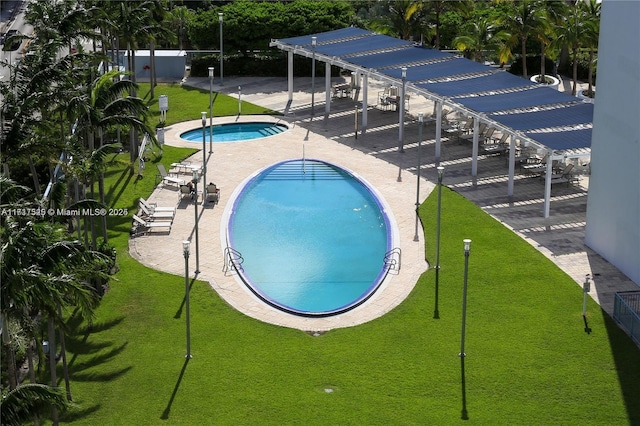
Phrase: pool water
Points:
(233, 132)
(312, 237)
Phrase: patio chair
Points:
(186, 191)
(146, 225)
(153, 215)
(166, 177)
(153, 207)
(212, 192)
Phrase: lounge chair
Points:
(148, 225)
(212, 192)
(153, 215)
(469, 136)
(166, 177)
(153, 207)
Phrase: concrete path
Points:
(374, 157)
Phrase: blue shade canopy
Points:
(558, 117)
(483, 83)
(398, 58)
(344, 33)
(439, 69)
(361, 45)
(559, 141)
(514, 100)
(383, 57)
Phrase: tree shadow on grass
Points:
(626, 355)
(99, 359)
(75, 414)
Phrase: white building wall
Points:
(613, 206)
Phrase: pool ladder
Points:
(232, 260)
(392, 260)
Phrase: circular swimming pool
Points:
(309, 237)
(234, 132)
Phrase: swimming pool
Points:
(312, 237)
(234, 132)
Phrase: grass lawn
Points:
(529, 360)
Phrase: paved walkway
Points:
(373, 156)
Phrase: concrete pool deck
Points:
(374, 157)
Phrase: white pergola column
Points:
(547, 184)
(365, 102)
(512, 167)
(290, 75)
(474, 150)
(327, 89)
(438, 105)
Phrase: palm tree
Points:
(572, 33)
(28, 403)
(526, 18)
(480, 35)
(592, 9)
(402, 21)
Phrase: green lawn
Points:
(529, 360)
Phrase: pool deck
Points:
(373, 156)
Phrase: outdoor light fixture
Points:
(185, 252)
(211, 70)
(436, 312)
(314, 42)
(221, 51)
(401, 104)
(420, 121)
(204, 149)
(196, 178)
(239, 100)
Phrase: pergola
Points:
(551, 121)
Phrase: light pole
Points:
(204, 148)
(211, 69)
(314, 42)
(221, 51)
(467, 248)
(420, 121)
(401, 104)
(436, 312)
(195, 180)
(239, 100)
(185, 252)
(586, 287)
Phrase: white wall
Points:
(613, 206)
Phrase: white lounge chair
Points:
(153, 207)
(153, 215)
(148, 225)
(166, 177)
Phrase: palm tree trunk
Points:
(32, 372)
(591, 55)
(11, 356)
(575, 71)
(63, 352)
(542, 63)
(32, 169)
(152, 53)
(52, 364)
(524, 57)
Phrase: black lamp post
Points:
(195, 180)
(314, 41)
(221, 51)
(436, 312)
(420, 121)
(467, 248)
(211, 70)
(401, 104)
(185, 252)
(204, 149)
